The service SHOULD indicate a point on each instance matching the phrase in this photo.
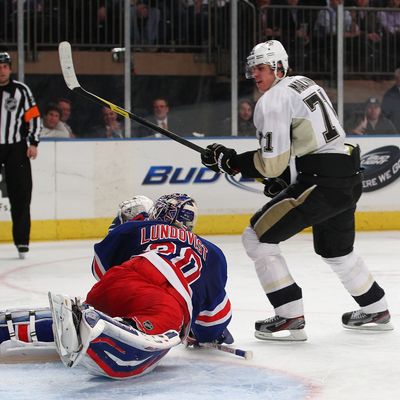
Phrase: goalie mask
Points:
(177, 209)
(271, 53)
(138, 205)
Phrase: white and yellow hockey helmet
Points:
(271, 53)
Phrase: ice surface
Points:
(333, 364)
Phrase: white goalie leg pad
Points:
(272, 270)
(117, 350)
(356, 278)
(64, 327)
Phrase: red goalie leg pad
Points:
(137, 290)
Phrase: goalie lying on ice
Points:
(157, 281)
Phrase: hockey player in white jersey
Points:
(295, 120)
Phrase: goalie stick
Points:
(68, 71)
(246, 354)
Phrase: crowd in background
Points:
(306, 28)
(374, 116)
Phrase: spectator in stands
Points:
(372, 3)
(373, 121)
(89, 22)
(367, 44)
(109, 19)
(245, 119)
(145, 24)
(269, 27)
(51, 126)
(367, 22)
(390, 23)
(162, 117)
(110, 127)
(65, 106)
(390, 20)
(245, 125)
(294, 34)
(326, 22)
(391, 102)
(196, 20)
(325, 35)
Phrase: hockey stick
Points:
(246, 354)
(68, 70)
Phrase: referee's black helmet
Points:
(5, 58)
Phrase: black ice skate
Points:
(280, 328)
(379, 321)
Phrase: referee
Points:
(19, 138)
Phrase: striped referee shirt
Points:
(19, 114)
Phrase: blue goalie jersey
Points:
(198, 262)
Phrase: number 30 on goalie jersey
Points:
(198, 262)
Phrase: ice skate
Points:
(66, 318)
(281, 329)
(379, 321)
(23, 250)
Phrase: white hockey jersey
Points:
(294, 118)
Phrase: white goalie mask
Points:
(271, 53)
(130, 209)
(177, 209)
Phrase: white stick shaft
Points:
(246, 354)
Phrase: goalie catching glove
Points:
(219, 159)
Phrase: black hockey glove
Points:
(208, 159)
(219, 158)
(273, 186)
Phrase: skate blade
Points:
(22, 256)
(372, 327)
(294, 335)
